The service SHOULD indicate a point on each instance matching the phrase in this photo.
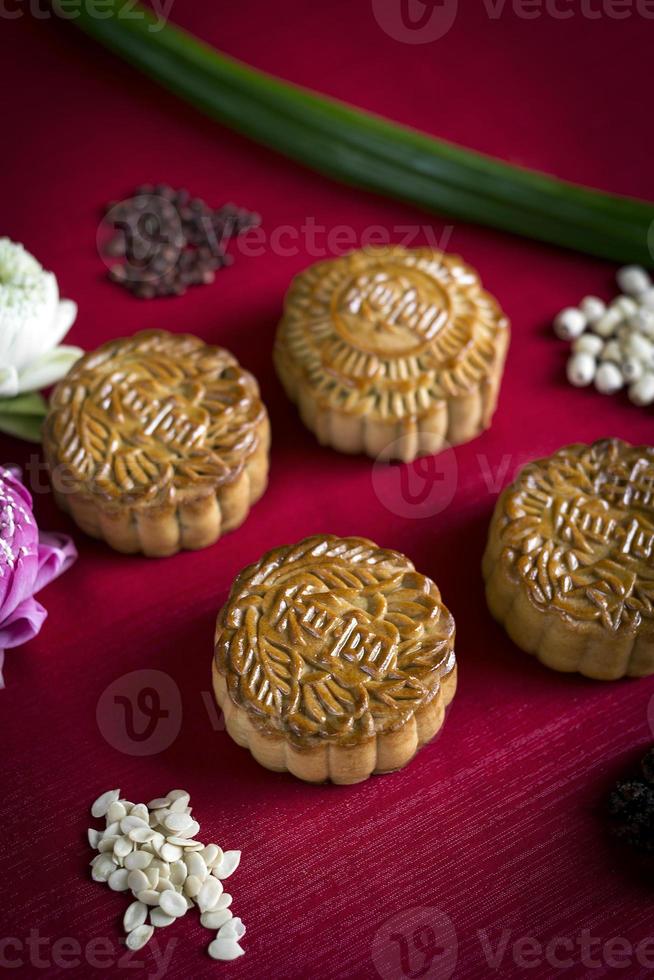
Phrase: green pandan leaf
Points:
(369, 151)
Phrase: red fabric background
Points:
(497, 826)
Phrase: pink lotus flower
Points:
(29, 559)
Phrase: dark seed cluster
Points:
(631, 807)
(169, 240)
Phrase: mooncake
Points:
(334, 659)
(392, 352)
(569, 566)
(157, 442)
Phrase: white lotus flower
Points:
(32, 322)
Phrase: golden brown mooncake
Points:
(392, 352)
(157, 442)
(569, 565)
(334, 659)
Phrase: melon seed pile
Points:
(152, 852)
(613, 346)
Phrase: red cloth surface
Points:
(496, 829)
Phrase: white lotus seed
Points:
(643, 322)
(607, 324)
(639, 346)
(588, 343)
(625, 305)
(612, 351)
(569, 323)
(608, 378)
(593, 308)
(632, 369)
(581, 370)
(642, 392)
(633, 279)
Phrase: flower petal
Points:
(56, 553)
(48, 368)
(8, 381)
(64, 319)
(22, 624)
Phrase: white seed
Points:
(133, 823)
(107, 844)
(177, 794)
(223, 902)
(228, 865)
(189, 832)
(171, 852)
(612, 351)
(632, 369)
(588, 343)
(152, 874)
(609, 378)
(142, 834)
(141, 811)
(94, 837)
(159, 918)
(111, 830)
(186, 842)
(639, 346)
(177, 822)
(215, 918)
(196, 865)
(117, 880)
(138, 860)
(138, 881)
(607, 324)
(116, 812)
(103, 803)
(103, 868)
(633, 279)
(646, 299)
(225, 949)
(178, 873)
(180, 805)
(625, 305)
(139, 937)
(569, 323)
(123, 847)
(581, 370)
(593, 308)
(149, 896)
(642, 392)
(233, 928)
(209, 894)
(135, 915)
(173, 903)
(192, 886)
(164, 885)
(162, 867)
(643, 322)
(159, 803)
